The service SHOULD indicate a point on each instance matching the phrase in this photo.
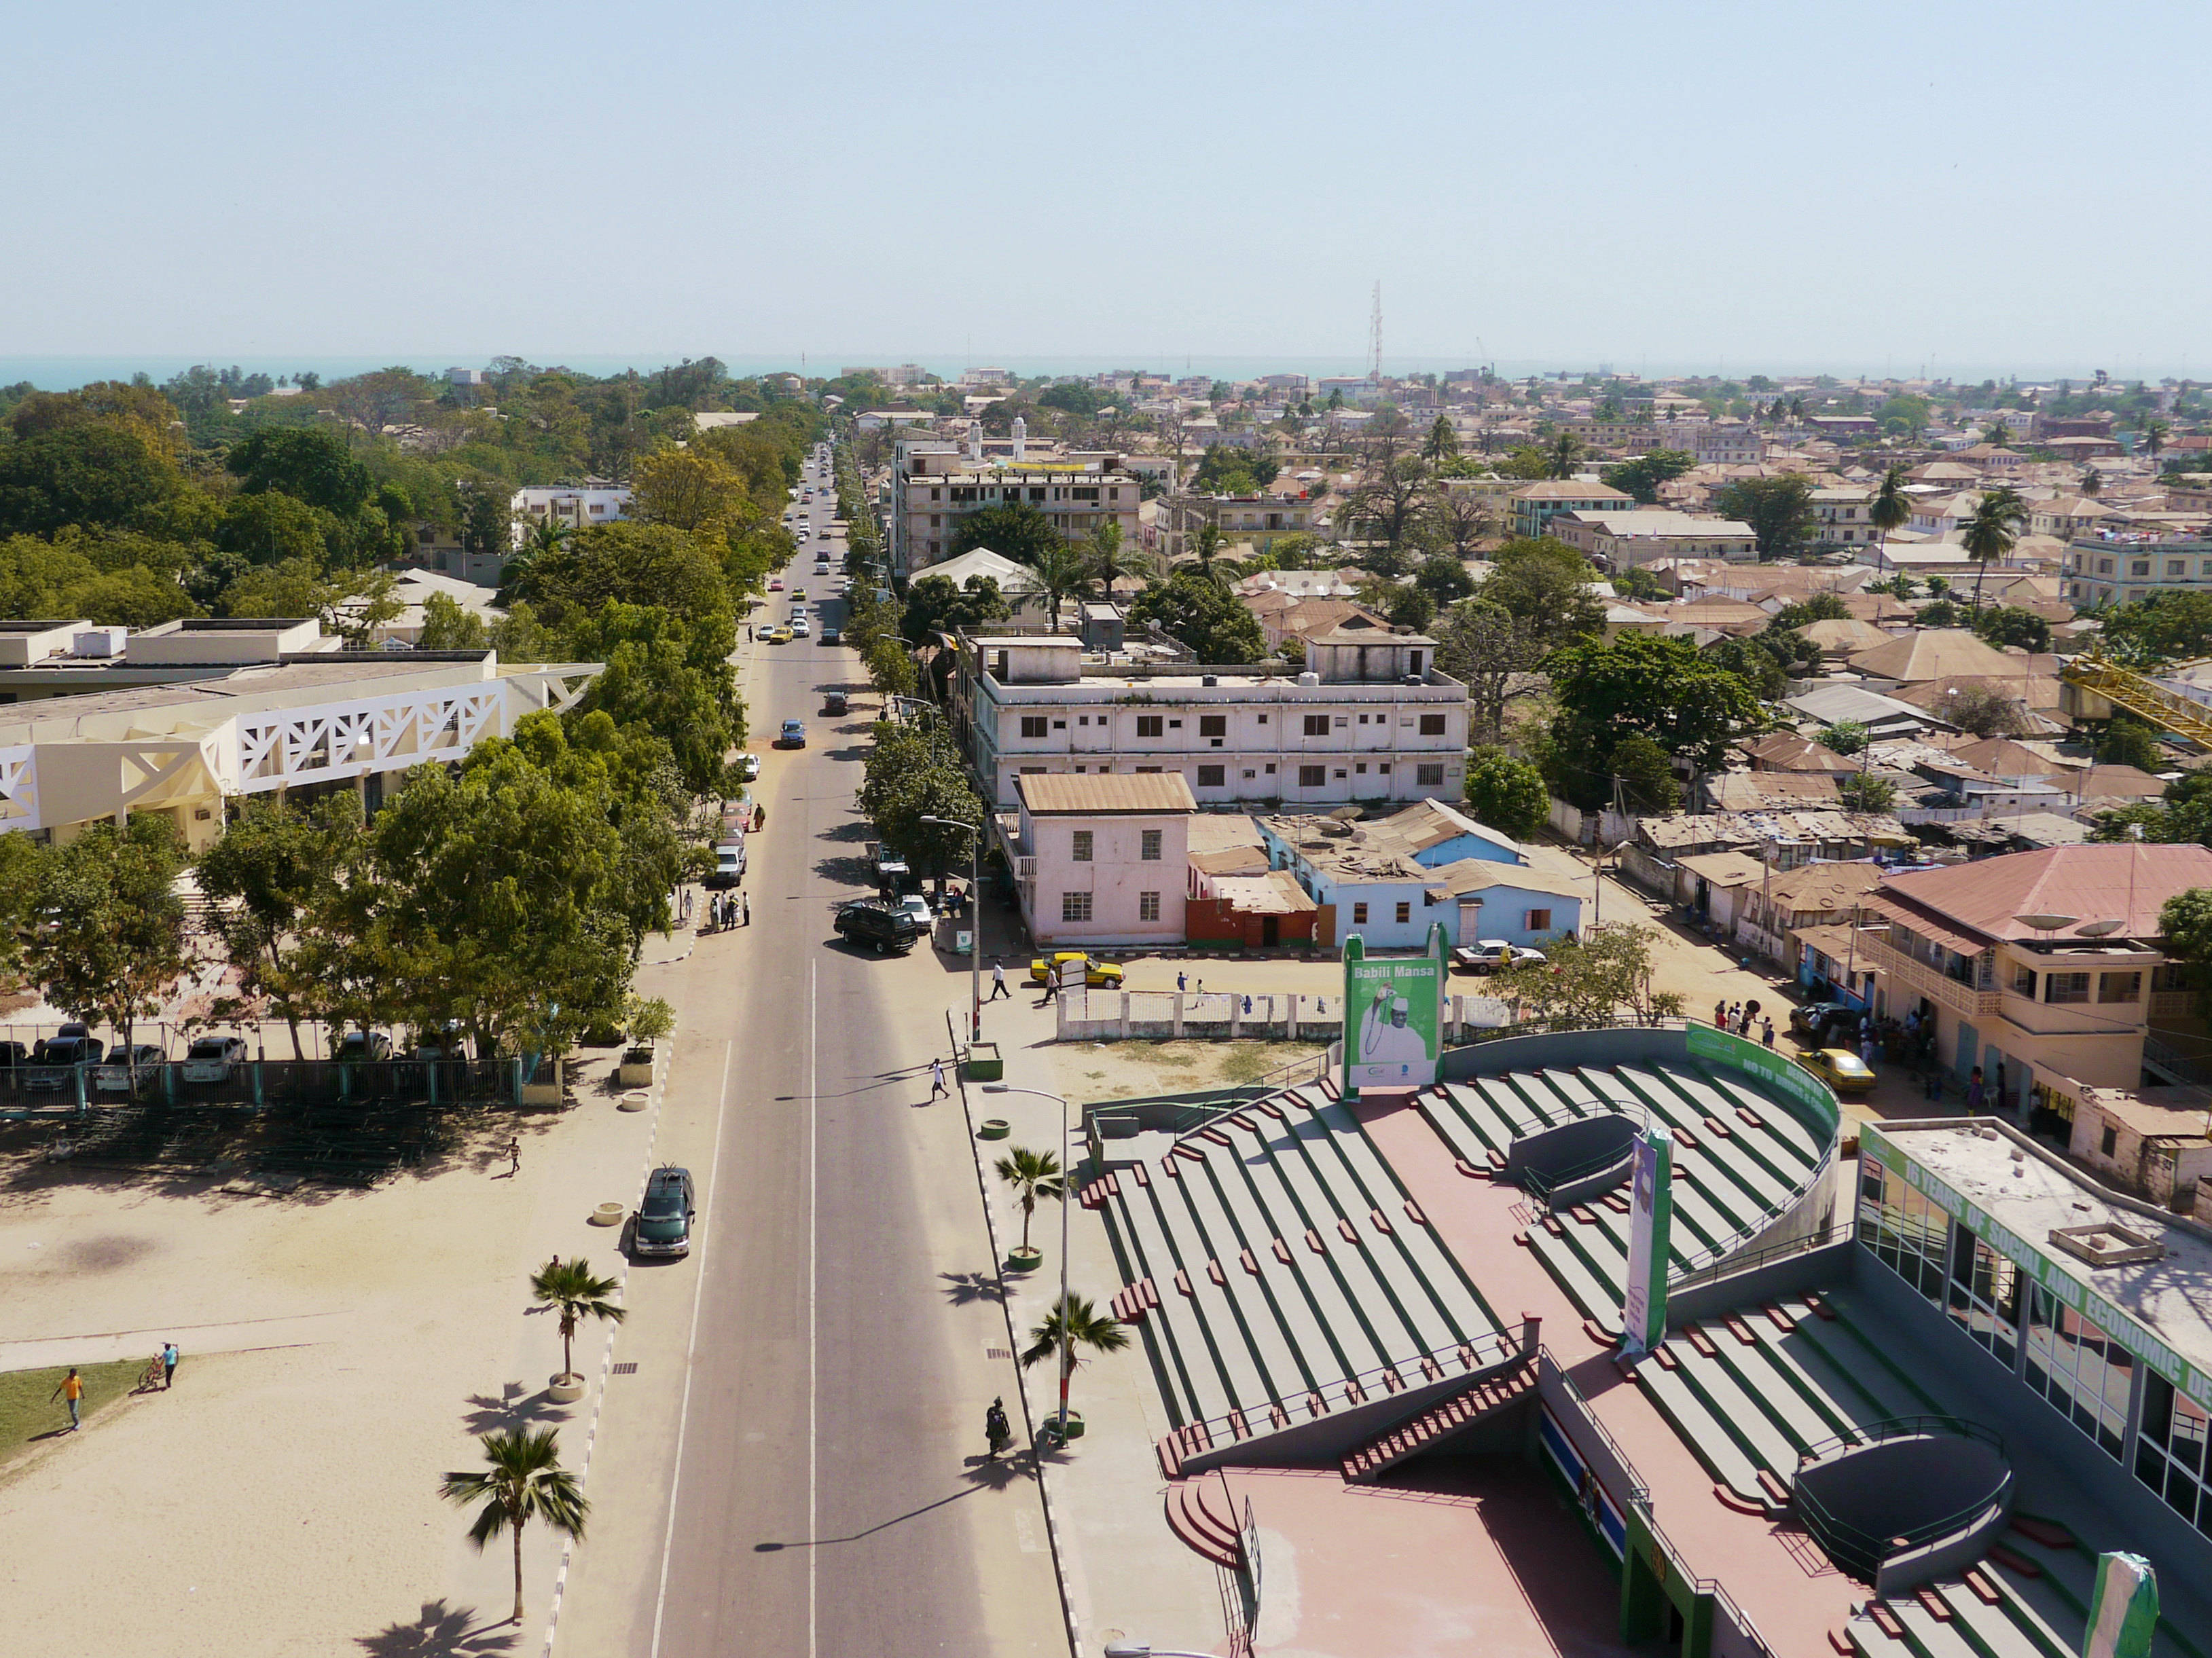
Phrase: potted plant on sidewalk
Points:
(1073, 1325)
(647, 1019)
(1033, 1175)
(571, 1289)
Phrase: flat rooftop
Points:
(2033, 1197)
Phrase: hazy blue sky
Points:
(1980, 187)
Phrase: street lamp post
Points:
(975, 921)
(1066, 1175)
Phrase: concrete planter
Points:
(636, 1069)
(1024, 1260)
(993, 1128)
(637, 1100)
(1050, 1428)
(541, 1093)
(984, 1063)
(608, 1214)
(565, 1388)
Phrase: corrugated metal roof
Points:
(2127, 883)
(1050, 793)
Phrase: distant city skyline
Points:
(1982, 190)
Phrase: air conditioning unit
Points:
(100, 642)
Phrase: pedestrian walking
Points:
(513, 1155)
(1867, 1047)
(745, 901)
(1974, 1091)
(999, 983)
(1766, 1032)
(1720, 1014)
(169, 1365)
(70, 1389)
(1183, 981)
(936, 1078)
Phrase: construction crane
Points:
(2091, 688)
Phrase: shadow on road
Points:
(962, 1289)
(881, 1525)
(517, 1406)
(443, 1631)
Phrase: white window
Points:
(1148, 906)
(1075, 906)
(1428, 774)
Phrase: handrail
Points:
(1368, 1387)
(1727, 1249)
(1861, 1552)
(1725, 1266)
(1541, 1186)
(1903, 1427)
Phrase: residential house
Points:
(1786, 751)
(1766, 790)
(1846, 703)
(1842, 510)
(1782, 840)
(1368, 717)
(1258, 521)
(1102, 861)
(1780, 907)
(1535, 504)
(1627, 540)
(2101, 571)
(1928, 653)
(576, 507)
(2047, 968)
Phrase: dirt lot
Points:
(1121, 1070)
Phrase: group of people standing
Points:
(728, 909)
(1737, 1016)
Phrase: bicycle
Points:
(154, 1375)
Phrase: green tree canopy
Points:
(93, 472)
(1507, 794)
(1779, 511)
(112, 945)
(639, 564)
(669, 672)
(2008, 624)
(934, 605)
(1658, 688)
(1546, 585)
(309, 464)
(1818, 607)
(1214, 624)
(1642, 475)
(1012, 530)
(2164, 627)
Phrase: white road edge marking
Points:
(690, 1351)
(813, 1391)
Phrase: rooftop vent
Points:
(1209, 679)
(2109, 1245)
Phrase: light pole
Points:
(975, 921)
(1067, 1175)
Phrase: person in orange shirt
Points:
(71, 1388)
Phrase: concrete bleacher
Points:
(1271, 1257)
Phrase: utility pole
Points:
(1375, 338)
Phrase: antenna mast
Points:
(1375, 339)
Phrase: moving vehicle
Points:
(1096, 974)
(776, 634)
(1841, 1069)
(831, 636)
(834, 705)
(664, 1220)
(822, 567)
(775, 583)
(212, 1058)
(363, 1045)
(793, 736)
(1489, 954)
(886, 928)
(124, 1071)
(801, 628)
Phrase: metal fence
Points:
(30, 1089)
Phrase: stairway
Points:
(1201, 1513)
(1462, 1410)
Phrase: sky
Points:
(1963, 189)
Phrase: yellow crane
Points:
(2091, 688)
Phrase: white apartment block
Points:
(576, 505)
(1258, 519)
(935, 484)
(1844, 512)
(1369, 719)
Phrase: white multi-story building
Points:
(1369, 719)
(577, 506)
(935, 484)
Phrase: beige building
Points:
(1627, 540)
(2049, 964)
(1102, 861)
(1255, 520)
(935, 484)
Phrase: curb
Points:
(1021, 1375)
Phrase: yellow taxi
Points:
(1098, 975)
(1840, 1068)
(777, 633)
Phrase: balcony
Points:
(1903, 970)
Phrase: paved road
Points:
(828, 1498)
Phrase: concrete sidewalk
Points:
(1125, 1572)
(251, 1335)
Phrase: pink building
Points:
(1103, 860)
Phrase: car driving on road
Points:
(793, 734)
(1096, 974)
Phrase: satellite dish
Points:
(2046, 923)
(1354, 814)
(2098, 929)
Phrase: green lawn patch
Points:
(28, 1410)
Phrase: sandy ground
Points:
(341, 1350)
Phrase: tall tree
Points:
(575, 1293)
(1487, 648)
(1548, 585)
(1891, 507)
(1032, 1176)
(1657, 687)
(1012, 530)
(1073, 1329)
(280, 868)
(1215, 625)
(1779, 511)
(1565, 456)
(1442, 443)
(1060, 569)
(523, 1481)
(1507, 794)
(1992, 531)
(112, 945)
(1642, 475)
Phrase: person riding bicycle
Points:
(995, 1429)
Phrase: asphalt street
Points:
(828, 1493)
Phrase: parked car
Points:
(664, 1220)
(916, 906)
(73, 1044)
(1818, 1022)
(12, 1053)
(886, 928)
(1841, 1069)
(1096, 974)
(729, 864)
(1489, 954)
(748, 768)
(834, 705)
(125, 1071)
(357, 1045)
(212, 1058)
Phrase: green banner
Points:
(1651, 1222)
(1778, 1070)
(2123, 1610)
(1392, 1016)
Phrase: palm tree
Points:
(524, 1480)
(1205, 546)
(1890, 509)
(2155, 436)
(1033, 1174)
(544, 537)
(1442, 443)
(1565, 454)
(1991, 533)
(1999, 434)
(1072, 1325)
(2092, 480)
(570, 1287)
(1110, 560)
(1060, 569)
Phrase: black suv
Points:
(664, 1220)
(873, 921)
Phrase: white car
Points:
(212, 1058)
(1491, 955)
(917, 907)
(800, 628)
(125, 1072)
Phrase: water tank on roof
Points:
(1308, 677)
(100, 642)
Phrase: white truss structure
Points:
(19, 787)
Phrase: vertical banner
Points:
(2123, 1610)
(1650, 1218)
(1392, 1016)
